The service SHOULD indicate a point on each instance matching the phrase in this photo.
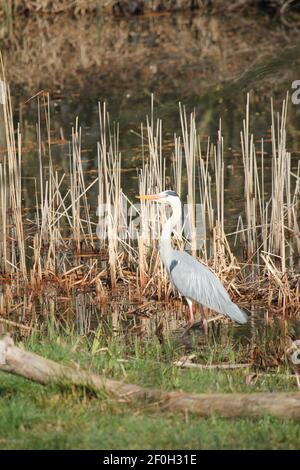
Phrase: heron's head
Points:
(165, 197)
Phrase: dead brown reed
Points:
(128, 7)
(98, 52)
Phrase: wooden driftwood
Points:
(34, 367)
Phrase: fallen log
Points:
(34, 367)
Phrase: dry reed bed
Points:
(131, 7)
(66, 250)
(58, 52)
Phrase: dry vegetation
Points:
(61, 52)
(132, 7)
(55, 246)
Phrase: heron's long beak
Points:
(150, 197)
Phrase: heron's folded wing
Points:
(198, 283)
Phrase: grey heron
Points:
(191, 278)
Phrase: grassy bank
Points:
(33, 416)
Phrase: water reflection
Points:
(85, 314)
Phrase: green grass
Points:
(37, 417)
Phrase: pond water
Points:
(209, 64)
(201, 70)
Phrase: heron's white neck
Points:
(165, 239)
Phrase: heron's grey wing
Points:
(196, 282)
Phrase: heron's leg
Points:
(204, 321)
(191, 319)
